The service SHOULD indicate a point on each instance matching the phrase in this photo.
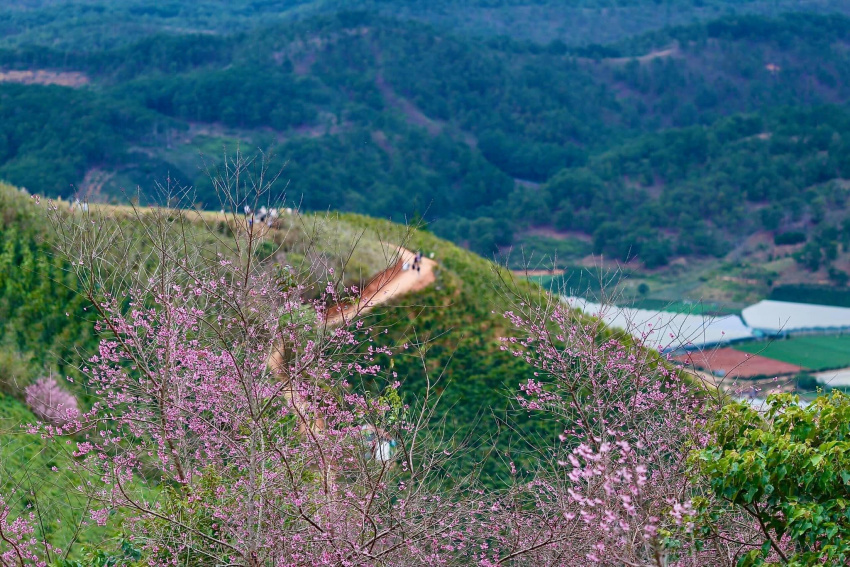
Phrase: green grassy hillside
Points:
(38, 479)
(47, 328)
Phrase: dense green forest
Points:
(778, 172)
(681, 142)
(585, 21)
(101, 23)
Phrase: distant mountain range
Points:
(693, 142)
(104, 23)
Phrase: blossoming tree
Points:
(229, 426)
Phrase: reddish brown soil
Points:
(736, 364)
(659, 54)
(549, 232)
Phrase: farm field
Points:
(707, 286)
(734, 364)
(814, 352)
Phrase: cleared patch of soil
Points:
(731, 363)
(73, 79)
(413, 114)
(526, 183)
(93, 183)
(380, 139)
(218, 130)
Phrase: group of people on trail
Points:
(76, 205)
(417, 262)
(264, 215)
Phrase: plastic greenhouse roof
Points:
(667, 331)
(783, 316)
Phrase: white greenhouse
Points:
(781, 317)
(667, 331)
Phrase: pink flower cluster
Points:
(617, 477)
(233, 402)
(50, 402)
(18, 544)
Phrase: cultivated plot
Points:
(813, 352)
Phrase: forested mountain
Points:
(668, 137)
(96, 24)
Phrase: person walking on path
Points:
(417, 263)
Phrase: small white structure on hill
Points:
(782, 317)
(665, 331)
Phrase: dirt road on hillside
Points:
(388, 284)
(393, 282)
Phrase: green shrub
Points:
(788, 469)
(806, 382)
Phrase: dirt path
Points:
(414, 115)
(384, 286)
(388, 284)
